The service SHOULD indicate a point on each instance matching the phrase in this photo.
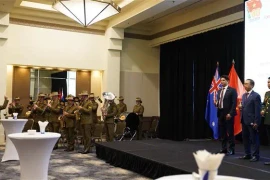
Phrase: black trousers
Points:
(226, 130)
(251, 137)
(267, 128)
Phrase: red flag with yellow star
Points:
(236, 83)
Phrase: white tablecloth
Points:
(34, 152)
(189, 177)
(11, 126)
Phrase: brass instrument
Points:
(108, 96)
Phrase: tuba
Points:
(108, 96)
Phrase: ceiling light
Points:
(36, 67)
(49, 68)
(61, 69)
(87, 12)
(23, 66)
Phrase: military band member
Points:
(121, 107)
(39, 111)
(139, 110)
(94, 106)
(85, 109)
(266, 113)
(77, 102)
(54, 110)
(16, 107)
(69, 118)
(4, 104)
(109, 120)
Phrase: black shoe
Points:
(254, 159)
(224, 151)
(245, 157)
(266, 163)
(230, 152)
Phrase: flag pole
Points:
(233, 62)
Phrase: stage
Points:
(156, 158)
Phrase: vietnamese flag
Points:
(236, 83)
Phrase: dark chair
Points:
(131, 129)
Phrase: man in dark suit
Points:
(251, 119)
(226, 104)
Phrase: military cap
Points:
(138, 99)
(54, 94)
(70, 97)
(41, 95)
(121, 98)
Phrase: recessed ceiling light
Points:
(84, 70)
(49, 68)
(36, 67)
(61, 69)
(23, 66)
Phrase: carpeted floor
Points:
(71, 166)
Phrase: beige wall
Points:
(46, 47)
(139, 75)
(181, 17)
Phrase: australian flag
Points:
(211, 110)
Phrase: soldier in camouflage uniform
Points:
(54, 110)
(139, 110)
(69, 119)
(85, 110)
(109, 120)
(121, 107)
(16, 107)
(4, 104)
(266, 113)
(38, 111)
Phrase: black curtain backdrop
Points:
(187, 67)
(59, 84)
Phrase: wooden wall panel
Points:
(21, 85)
(83, 81)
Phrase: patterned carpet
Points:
(71, 166)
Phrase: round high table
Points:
(34, 152)
(11, 126)
(190, 177)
